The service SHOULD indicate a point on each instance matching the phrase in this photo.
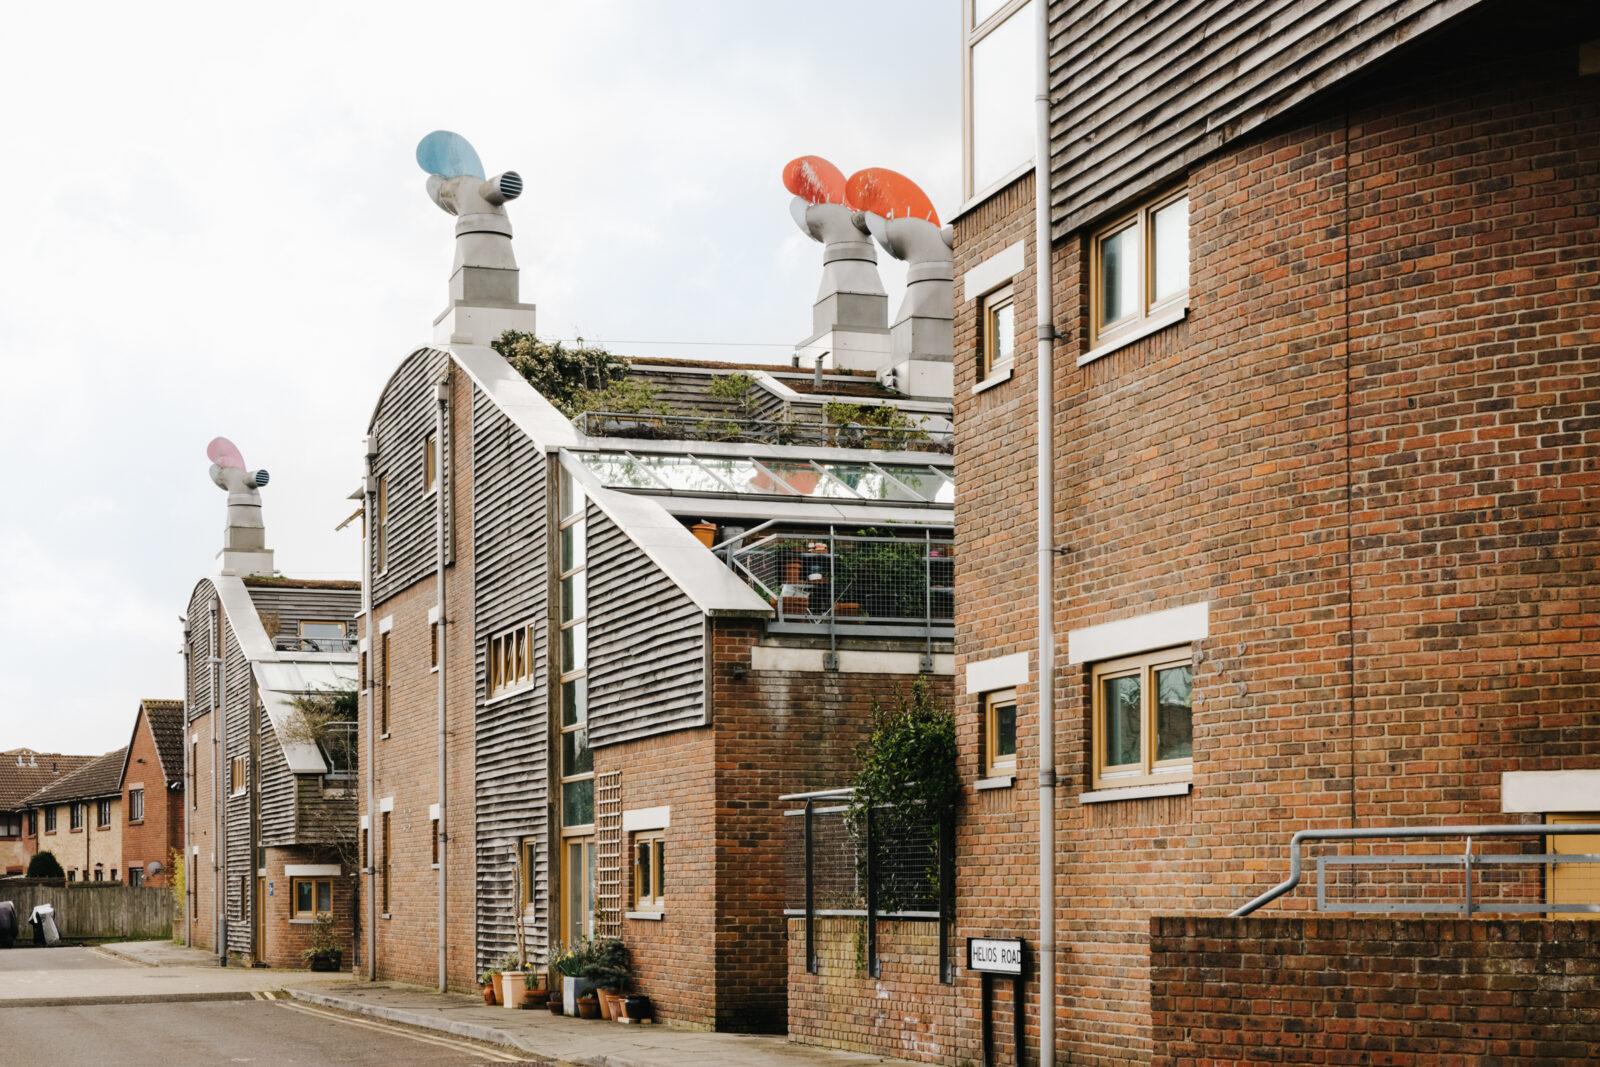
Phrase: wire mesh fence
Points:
(867, 578)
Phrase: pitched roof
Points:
(101, 776)
(166, 726)
(17, 783)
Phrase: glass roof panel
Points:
(871, 482)
(743, 475)
(930, 482)
(682, 473)
(806, 480)
(618, 471)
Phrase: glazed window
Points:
(1140, 270)
(998, 74)
(433, 644)
(383, 881)
(136, 805)
(102, 814)
(998, 344)
(511, 661)
(76, 816)
(649, 871)
(434, 853)
(310, 897)
(381, 527)
(1143, 719)
(385, 682)
(194, 774)
(238, 779)
(577, 761)
(135, 877)
(1000, 733)
(430, 463)
(49, 820)
(10, 825)
(321, 635)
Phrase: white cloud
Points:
(214, 225)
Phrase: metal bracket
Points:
(830, 661)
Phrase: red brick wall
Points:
(288, 937)
(161, 831)
(1369, 447)
(906, 1013)
(406, 762)
(1386, 991)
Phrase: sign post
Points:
(999, 957)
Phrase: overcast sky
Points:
(213, 223)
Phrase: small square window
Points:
(310, 897)
(1139, 269)
(1000, 733)
(1143, 723)
(649, 872)
(998, 327)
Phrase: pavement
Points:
(132, 973)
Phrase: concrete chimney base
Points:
(240, 562)
(922, 377)
(853, 348)
(467, 324)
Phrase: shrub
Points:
(872, 425)
(576, 379)
(45, 865)
(608, 966)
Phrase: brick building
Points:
(647, 636)
(152, 793)
(24, 772)
(270, 778)
(78, 818)
(1323, 286)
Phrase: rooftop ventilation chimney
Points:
(244, 539)
(922, 339)
(483, 281)
(850, 319)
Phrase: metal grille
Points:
(608, 853)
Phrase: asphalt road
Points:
(193, 1033)
(15, 960)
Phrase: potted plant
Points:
(589, 1006)
(324, 953)
(505, 963)
(609, 970)
(572, 964)
(536, 993)
(486, 980)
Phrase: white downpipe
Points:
(1044, 332)
(187, 802)
(369, 488)
(219, 799)
(441, 420)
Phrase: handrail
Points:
(1296, 860)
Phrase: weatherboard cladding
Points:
(406, 415)
(284, 608)
(203, 606)
(1139, 93)
(277, 788)
(647, 643)
(510, 552)
(239, 709)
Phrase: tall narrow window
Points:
(1144, 719)
(102, 814)
(380, 531)
(997, 346)
(77, 816)
(238, 779)
(433, 644)
(192, 889)
(50, 820)
(435, 827)
(577, 761)
(136, 805)
(430, 463)
(1139, 267)
(385, 686)
(194, 773)
(383, 843)
(998, 75)
(1000, 733)
(366, 857)
(649, 872)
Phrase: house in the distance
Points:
(79, 819)
(152, 793)
(24, 772)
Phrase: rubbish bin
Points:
(44, 925)
(8, 923)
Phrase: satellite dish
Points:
(224, 453)
(449, 155)
(892, 195)
(153, 868)
(814, 180)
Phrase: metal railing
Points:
(874, 869)
(867, 583)
(339, 742)
(1409, 882)
(314, 644)
(653, 427)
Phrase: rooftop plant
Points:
(575, 379)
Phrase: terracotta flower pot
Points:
(499, 989)
(589, 1006)
(488, 993)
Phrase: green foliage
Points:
(45, 865)
(737, 389)
(872, 425)
(176, 880)
(571, 960)
(577, 379)
(324, 942)
(609, 966)
(888, 577)
(908, 762)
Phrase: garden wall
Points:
(93, 911)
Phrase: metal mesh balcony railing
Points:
(314, 644)
(893, 582)
(643, 426)
(340, 746)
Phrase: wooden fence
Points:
(96, 910)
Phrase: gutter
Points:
(441, 423)
(1044, 333)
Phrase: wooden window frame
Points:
(1148, 771)
(988, 305)
(997, 766)
(972, 35)
(194, 775)
(1149, 309)
(509, 661)
(294, 897)
(50, 817)
(366, 845)
(136, 805)
(102, 814)
(433, 644)
(384, 842)
(430, 463)
(656, 842)
(433, 825)
(381, 527)
(135, 876)
(385, 681)
(77, 816)
(573, 510)
(238, 776)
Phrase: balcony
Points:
(653, 427)
(314, 644)
(340, 746)
(883, 582)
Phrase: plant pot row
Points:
(579, 998)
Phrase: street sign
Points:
(995, 955)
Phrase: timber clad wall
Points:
(1367, 447)
(283, 608)
(647, 642)
(406, 760)
(1388, 991)
(510, 523)
(1137, 99)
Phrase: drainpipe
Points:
(441, 415)
(370, 492)
(188, 784)
(1044, 331)
(219, 820)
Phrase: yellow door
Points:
(1574, 883)
(577, 890)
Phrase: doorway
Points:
(577, 889)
